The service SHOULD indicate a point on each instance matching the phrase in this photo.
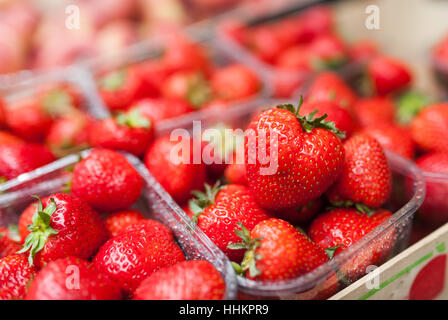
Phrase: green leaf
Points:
(112, 81)
(331, 251)
(237, 268)
(133, 119)
(237, 246)
(410, 104)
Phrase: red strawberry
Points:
(327, 52)
(234, 82)
(178, 176)
(58, 226)
(434, 209)
(388, 75)
(69, 133)
(135, 254)
(374, 110)
(15, 274)
(153, 74)
(117, 222)
(19, 158)
(363, 50)
(106, 181)
(430, 128)
(188, 280)
(310, 157)
(9, 138)
(297, 59)
(340, 116)
(2, 113)
(9, 241)
(235, 173)
(58, 99)
(120, 87)
(316, 21)
(161, 108)
(329, 86)
(277, 251)
(28, 120)
(302, 214)
(338, 229)
(128, 131)
(219, 209)
(72, 278)
(266, 42)
(393, 138)
(366, 176)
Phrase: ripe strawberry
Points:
(430, 128)
(15, 274)
(219, 209)
(58, 99)
(159, 109)
(117, 222)
(2, 113)
(340, 116)
(265, 42)
(393, 138)
(374, 110)
(363, 50)
(179, 176)
(235, 173)
(106, 181)
(72, 278)
(277, 251)
(302, 214)
(128, 131)
(316, 21)
(434, 209)
(188, 280)
(309, 158)
(69, 133)
(144, 250)
(234, 82)
(329, 86)
(119, 88)
(58, 226)
(388, 75)
(9, 241)
(327, 52)
(340, 228)
(28, 120)
(153, 74)
(296, 58)
(366, 177)
(9, 138)
(19, 158)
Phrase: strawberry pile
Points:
(90, 244)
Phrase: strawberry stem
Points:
(203, 200)
(133, 119)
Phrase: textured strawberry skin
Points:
(388, 75)
(366, 176)
(7, 245)
(188, 280)
(15, 274)
(373, 111)
(117, 222)
(51, 282)
(285, 252)
(106, 181)
(132, 256)
(308, 163)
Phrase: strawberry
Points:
(338, 229)
(434, 209)
(265, 42)
(234, 82)
(317, 20)
(58, 226)
(7, 138)
(235, 173)
(219, 209)
(277, 251)
(310, 157)
(296, 58)
(329, 86)
(19, 158)
(340, 116)
(58, 99)
(72, 278)
(2, 113)
(119, 88)
(9, 241)
(153, 74)
(327, 52)
(302, 214)
(430, 128)
(145, 250)
(188, 280)
(117, 222)
(15, 274)
(363, 50)
(366, 177)
(69, 133)
(388, 75)
(393, 138)
(128, 131)
(106, 181)
(178, 174)
(27, 119)
(159, 109)
(374, 110)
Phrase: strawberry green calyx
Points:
(40, 229)
(57, 102)
(410, 104)
(250, 257)
(133, 119)
(198, 91)
(113, 80)
(203, 200)
(332, 250)
(309, 122)
(351, 204)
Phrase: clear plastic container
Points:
(434, 210)
(15, 195)
(323, 281)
